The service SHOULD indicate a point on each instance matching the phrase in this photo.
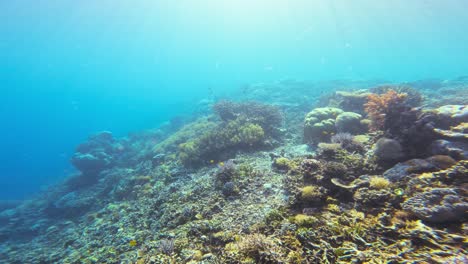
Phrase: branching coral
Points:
(256, 248)
(379, 183)
(267, 116)
(216, 144)
(379, 107)
(244, 126)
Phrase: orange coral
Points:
(379, 106)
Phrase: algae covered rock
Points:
(230, 189)
(373, 198)
(91, 163)
(455, 113)
(319, 124)
(96, 154)
(416, 166)
(388, 150)
(456, 150)
(442, 162)
(70, 205)
(438, 205)
(349, 122)
(404, 169)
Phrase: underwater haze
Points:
(71, 68)
(233, 131)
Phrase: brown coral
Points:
(379, 106)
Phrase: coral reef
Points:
(457, 150)
(240, 186)
(244, 126)
(267, 116)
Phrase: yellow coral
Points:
(356, 215)
(197, 255)
(251, 133)
(304, 220)
(333, 208)
(426, 175)
(282, 163)
(379, 183)
(363, 139)
(311, 192)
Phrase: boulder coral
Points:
(349, 122)
(388, 150)
(319, 124)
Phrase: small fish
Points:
(132, 243)
(221, 164)
(212, 161)
(399, 192)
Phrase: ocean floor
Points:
(285, 172)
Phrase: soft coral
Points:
(378, 107)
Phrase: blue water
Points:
(71, 68)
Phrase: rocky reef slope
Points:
(288, 172)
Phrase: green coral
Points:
(216, 144)
(251, 134)
(282, 163)
(243, 126)
(319, 124)
(190, 131)
(311, 193)
(304, 220)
